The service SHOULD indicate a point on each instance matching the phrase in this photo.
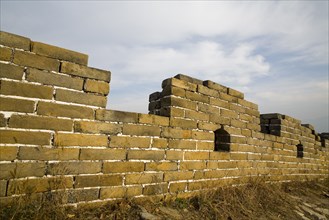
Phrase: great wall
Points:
(198, 134)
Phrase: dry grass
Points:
(253, 200)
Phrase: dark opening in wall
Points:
(300, 150)
(222, 140)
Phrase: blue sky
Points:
(276, 52)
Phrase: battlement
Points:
(198, 134)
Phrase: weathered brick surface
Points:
(161, 166)
(16, 105)
(18, 170)
(39, 184)
(182, 144)
(146, 154)
(24, 137)
(83, 71)
(97, 86)
(141, 178)
(130, 142)
(80, 98)
(3, 188)
(123, 167)
(67, 168)
(8, 153)
(111, 115)
(97, 127)
(6, 54)
(28, 59)
(55, 109)
(46, 153)
(141, 130)
(26, 90)
(115, 192)
(168, 132)
(47, 78)
(105, 154)
(11, 71)
(183, 123)
(3, 120)
(13, 40)
(67, 139)
(37, 122)
(59, 53)
(98, 180)
(102, 154)
(155, 189)
(153, 119)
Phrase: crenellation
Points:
(198, 135)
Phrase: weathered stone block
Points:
(235, 93)
(182, 144)
(146, 154)
(192, 165)
(197, 97)
(3, 120)
(141, 130)
(177, 187)
(170, 90)
(97, 127)
(98, 180)
(54, 109)
(19, 170)
(80, 98)
(24, 137)
(69, 168)
(153, 119)
(179, 83)
(160, 166)
(45, 153)
(174, 155)
(97, 86)
(68, 139)
(28, 59)
(155, 189)
(113, 192)
(179, 102)
(83, 71)
(174, 175)
(123, 167)
(188, 79)
(205, 145)
(183, 123)
(119, 116)
(130, 142)
(196, 115)
(228, 113)
(141, 178)
(171, 111)
(59, 53)
(47, 78)
(219, 103)
(196, 155)
(159, 143)
(6, 54)
(16, 105)
(26, 90)
(15, 41)
(102, 154)
(228, 98)
(39, 185)
(206, 91)
(212, 85)
(11, 71)
(248, 104)
(37, 122)
(3, 188)
(168, 132)
(8, 153)
(208, 109)
(210, 126)
(202, 135)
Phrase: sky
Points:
(276, 52)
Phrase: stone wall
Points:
(198, 135)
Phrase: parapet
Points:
(54, 128)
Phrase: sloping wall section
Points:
(56, 133)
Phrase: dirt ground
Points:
(256, 200)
